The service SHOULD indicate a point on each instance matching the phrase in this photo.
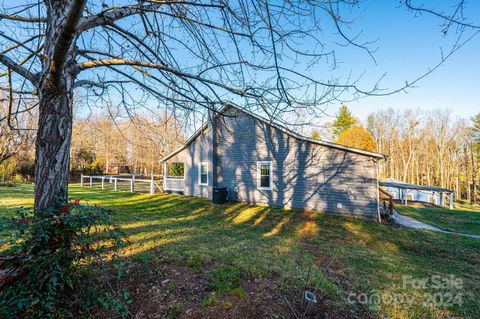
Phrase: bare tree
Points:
(429, 148)
(187, 54)
(139, 141)
(14, 135)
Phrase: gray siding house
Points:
(261, 162)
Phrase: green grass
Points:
(289, 247)
(465, 219)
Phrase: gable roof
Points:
(281, 128)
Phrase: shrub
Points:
(43, 252)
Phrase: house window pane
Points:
(203, 173)
(265, 177)
(265, 181)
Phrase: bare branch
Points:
(112, 14)
(22, 19)
(64, 41)
(451, 19)
(9, 63)
(110, 62)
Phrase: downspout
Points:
(212, 150)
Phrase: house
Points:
(261, 162)
(418, 193)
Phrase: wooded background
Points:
(429, 148)
(422, 147)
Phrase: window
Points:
(175, 169)
(264, 175)
(203, 173)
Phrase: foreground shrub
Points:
(43, 253)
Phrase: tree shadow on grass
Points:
(268, 242)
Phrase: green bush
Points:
(7, 170)
(43, 253)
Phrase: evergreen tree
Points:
(343, 122)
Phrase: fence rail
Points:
(133, 182)
(174, 184)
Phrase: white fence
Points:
(131, 182)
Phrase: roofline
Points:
(284, 130)
(185, 145)
(403, 185)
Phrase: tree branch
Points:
(22, 19)
(109, 62)
(111, 15)
(450, 19)
(64, 41)
(9, 63)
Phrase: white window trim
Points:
(200, 173)
(259, 180)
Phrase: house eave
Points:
(284, 130)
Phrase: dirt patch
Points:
(167, 290)
(327, 262)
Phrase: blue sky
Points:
(407, 46)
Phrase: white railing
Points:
(174, 184)
(132, 179)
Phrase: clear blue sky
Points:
(407, 46)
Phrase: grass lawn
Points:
(275, 253)
(464, 219)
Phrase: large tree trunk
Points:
(52, 158)
(53, 148)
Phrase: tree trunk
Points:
(52, 158)
(474, 172)
(53, 148)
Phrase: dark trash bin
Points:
(219, 195)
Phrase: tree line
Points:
(422, 147)
(429, 148)
(99, 145)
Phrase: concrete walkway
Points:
(410, 222)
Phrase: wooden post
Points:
(91, 181)
(81, 180)
(152, 185)
(132, 184)
(165, 175)
(103, 183)
(451, 200)
(441, 200)
(115, 184)
(405, 197)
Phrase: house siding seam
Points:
(305, 175)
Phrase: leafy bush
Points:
(43, 252)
